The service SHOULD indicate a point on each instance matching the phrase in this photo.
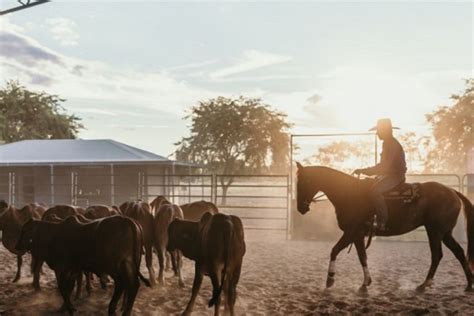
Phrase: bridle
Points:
(318, 198)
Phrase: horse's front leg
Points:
(340, 245)
(359, 244)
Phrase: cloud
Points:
(32, 77)
(25, 50)
(192, 65)
(63, 31)
(96, 111)
(262, 78)
(26, 60)
(251, 60)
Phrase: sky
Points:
(132, 69)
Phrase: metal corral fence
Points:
(179, 189)
(261, 201)
(7, 187)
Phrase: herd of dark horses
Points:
(108, 242)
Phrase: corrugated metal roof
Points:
(74, 151)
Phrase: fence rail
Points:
(261, 201)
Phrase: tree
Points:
(344, 155)
(349, 155)
(26, 114)
(415, 150)
(236, 136)
(452, 128)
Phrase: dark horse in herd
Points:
(436, 208)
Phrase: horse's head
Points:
(5, 210)
(306, 189)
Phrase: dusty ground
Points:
(279, 277)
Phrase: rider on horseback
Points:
(390, 171)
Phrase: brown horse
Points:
(437, 209)
(165, 214)
(11, 221)
(140, 211)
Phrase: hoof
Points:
(181, 284)
(369, 282)
(422, 287)
(329, 282)
(16, 279)
(363, 289)
(468, 289)
(64, 308)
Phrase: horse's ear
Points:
(299, 165)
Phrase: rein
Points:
(318, 198)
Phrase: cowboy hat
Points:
(384, 123)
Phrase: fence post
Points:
(288, 208)
(139, 186)
(214, 188)
(189, 188)
(51, 182)
(112, 185)
(73, 202)
(10, 191)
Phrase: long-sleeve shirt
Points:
(392, 160)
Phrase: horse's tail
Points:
(469, 213)
(138, 242)
(228, 233)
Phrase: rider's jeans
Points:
(382, 185)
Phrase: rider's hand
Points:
(357, 172)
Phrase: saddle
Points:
(406, 192)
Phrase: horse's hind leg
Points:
(19, 262)
(458, 252)
(341, 244)
(132, 284)
(359, 243)
(118, 290)
(436, 255)
(149, 262)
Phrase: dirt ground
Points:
(279, 277)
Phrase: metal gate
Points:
(261, 201)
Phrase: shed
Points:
(83, 172)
